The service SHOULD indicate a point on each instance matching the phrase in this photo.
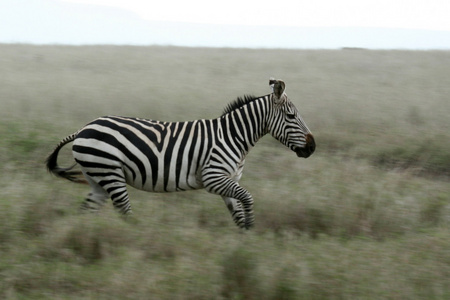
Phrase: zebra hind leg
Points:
(117, 190)
(103, 188)
(96, 198)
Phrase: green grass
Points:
(366, 217)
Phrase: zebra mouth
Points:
(302, 152)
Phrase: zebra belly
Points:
(164, 185)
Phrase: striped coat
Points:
(160, 156)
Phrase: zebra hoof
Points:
(248, 225)
(130, 218)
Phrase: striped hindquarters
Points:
(149, 155)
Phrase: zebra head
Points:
(286, 124)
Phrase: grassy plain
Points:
(366, 217)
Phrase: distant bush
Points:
(424, 156)
(87, 239)
(434, 211)
(240, 277)
(295, 218)
(38, 217)
(286, 284)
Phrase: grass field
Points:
(366, 217)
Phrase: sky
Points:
(377, 24)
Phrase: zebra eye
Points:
(290, 115)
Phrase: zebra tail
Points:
(67, 173)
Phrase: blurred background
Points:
(375, 24)
(366, 216)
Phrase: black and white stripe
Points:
(160, 156)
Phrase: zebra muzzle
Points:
(310, 147)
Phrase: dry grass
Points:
(367, 216)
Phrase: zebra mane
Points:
(238, 103)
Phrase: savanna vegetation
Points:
(366, 217)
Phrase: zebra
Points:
(157, 156)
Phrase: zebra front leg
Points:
(240, 199)
(235, 208)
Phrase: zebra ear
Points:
(277, 87)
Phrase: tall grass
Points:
(367, 216)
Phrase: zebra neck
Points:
(244, 127)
